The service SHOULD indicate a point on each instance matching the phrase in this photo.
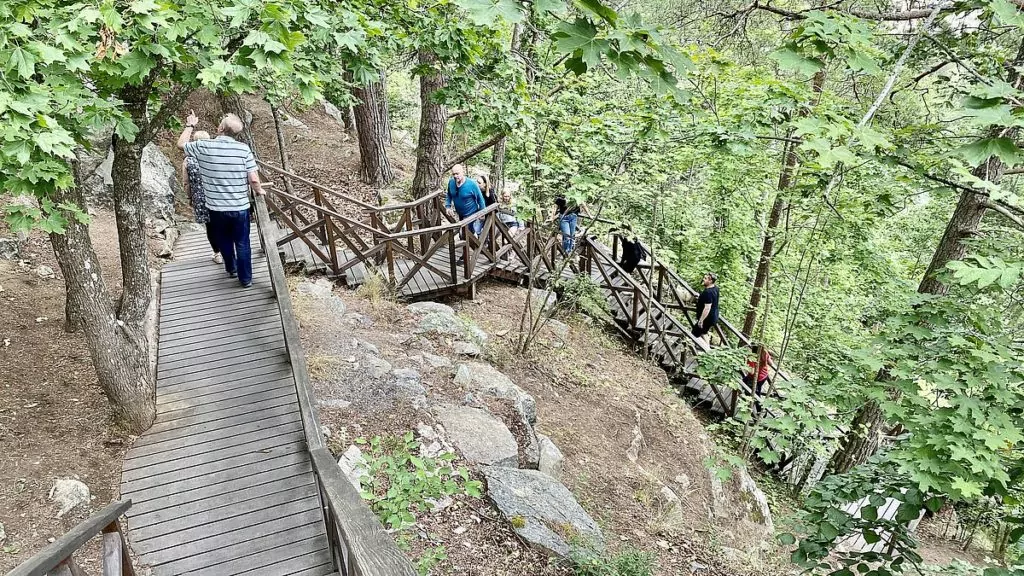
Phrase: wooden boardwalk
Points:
(222, 483)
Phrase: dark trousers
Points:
(212, 238)
(231, 230)
(699, 330)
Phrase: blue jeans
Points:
(231, 230)
(567, 225)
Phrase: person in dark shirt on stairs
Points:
(707, 306)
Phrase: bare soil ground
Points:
(54, 420)
(590, 391)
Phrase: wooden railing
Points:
(57, 559)
(677, 295)
(397, 240)
(359, 544)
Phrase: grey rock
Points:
(467, 349)
(420, 308)
(368, 347)
(357, 319)
(159, 182)
(45, 272)
(484, 379)
(542, 511)
(671, 520)
(755, 502)
(482, 438)
(10, 249)
(543, 300)
(436, 361)
(683, 481)
(407, 381)
(376, 367)
(550, 457)
(450, 325)
(353, 465)
(69, 493)
(294, 122)
(560, 329)
(332, 111)
(743, 503)
(321, 288)
(334, 403)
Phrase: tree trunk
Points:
(72, 315)
(786, 179)
(374, 132)
(433, 117)
(126, 173)
(282, 153)
(383, 116)
(120, 359)
(232, 104)
(962, 226)
(498, 166)
(498, 154)
(861, 441)
(349, 119)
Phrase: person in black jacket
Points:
(707, 306)
(633, 252)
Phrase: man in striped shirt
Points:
(228, 169)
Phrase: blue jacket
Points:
(467, 198)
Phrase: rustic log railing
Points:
(57, 559)
(359, 544)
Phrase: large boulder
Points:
(445, 324)
(321, 292)
(740, 502)
(483, 379)
(542, 511)
(543, 299)
(420, 308)
(159, 177)
(550, 457)
(479, 436)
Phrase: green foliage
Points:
(585, 562)
(431, 557)
(581, 294)
(399, 484)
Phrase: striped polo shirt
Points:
(224, 164)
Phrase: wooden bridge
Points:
(423, 252)
(233, 477)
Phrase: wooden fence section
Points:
(57, 559)
(357, 540)
(416, 246)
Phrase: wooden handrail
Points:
(368, 549)
(360, 545)
(292, 342)
(443, 227)
(312, 184)
(404, 205)
(61, 550)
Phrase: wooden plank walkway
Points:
(222, 483)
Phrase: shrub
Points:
(629, 562)
(399, 484)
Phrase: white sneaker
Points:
(218, 258)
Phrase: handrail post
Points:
(451, 256)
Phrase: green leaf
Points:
(484, 12)
(598, 9)
(964, 488)
(137, 64)
(860, 62)
(977, 153)
(790, 59)
(549, 6)
(1006, 13)
(787, 539)
(23, 61)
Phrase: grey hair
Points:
(231, 125)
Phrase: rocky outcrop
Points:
(421, 308)
(322, 291)
(483, 379)
(542, 511)
(743, 503)
(479, 436)
(445, 324)
(159, 177)
(543, 299)
(550, 461)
